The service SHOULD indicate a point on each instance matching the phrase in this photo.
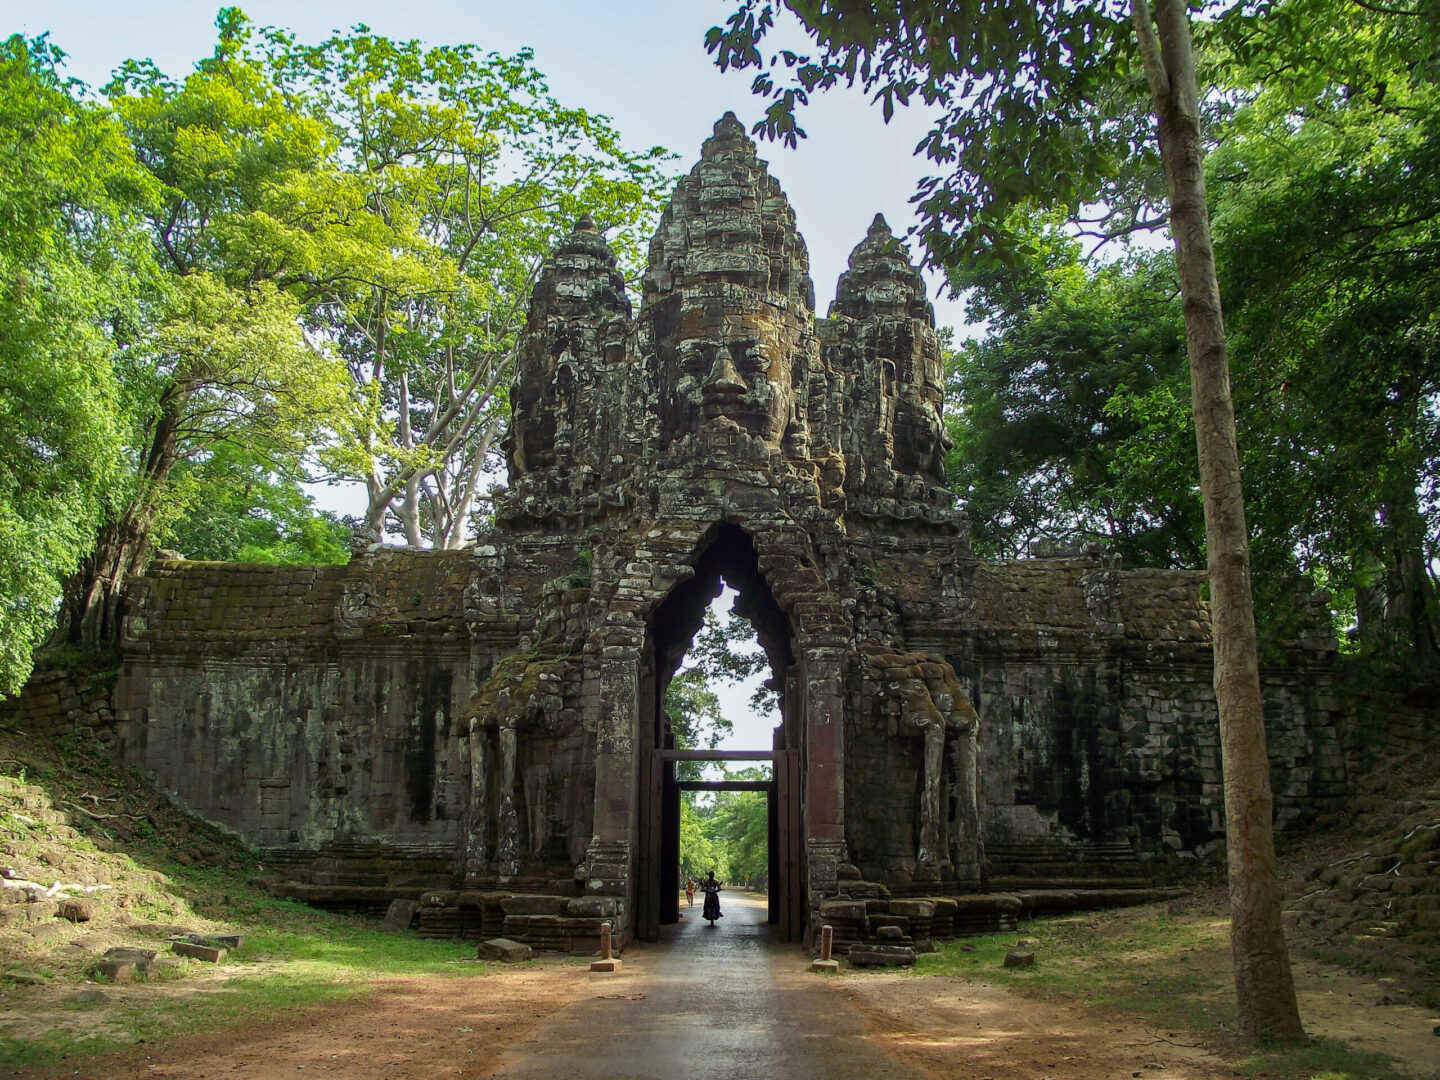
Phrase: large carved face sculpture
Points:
(745, 380)
(921, 440)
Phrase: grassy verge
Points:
(1172, 972)
(163, 873)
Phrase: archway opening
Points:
(727, 558)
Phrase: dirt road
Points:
(722, 1001)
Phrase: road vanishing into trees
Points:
(727, 1001)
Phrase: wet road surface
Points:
(724, 1002)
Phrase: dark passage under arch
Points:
(726, 555)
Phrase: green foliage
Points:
(740, 825)
(1071, 414)
(695, 717)
(699, 853)
(236, 509)
(1070, 417)
(295, 255)
(1326, 214)
(451, 173)
(725, 649)
(1038, 104)
(727, 832)
(65, 173)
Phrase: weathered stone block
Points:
(77, 910)
(400, 914)
(504, 951)
(533, 905)
(881, 955)
(592, 907)
(208, 953)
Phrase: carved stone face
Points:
(921, 440)
(745, 380)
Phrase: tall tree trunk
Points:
(1395, 596)
(92, 607)
(1264, 985)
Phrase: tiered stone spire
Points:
(881, 334)
(578, 319)
(726, 324)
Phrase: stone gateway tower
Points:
(486, 729)
(723, 431)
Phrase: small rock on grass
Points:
(77, 911)
(1019, 958)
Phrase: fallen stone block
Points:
(207, 953)
(881, 955)
(1016, 958)
(504, 950)
(400, 915)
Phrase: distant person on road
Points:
(711, 888)
(690, 891)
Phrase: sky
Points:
(640, 62)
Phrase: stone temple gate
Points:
(485, 729)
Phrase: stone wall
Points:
(1101, 725)
(64, 704)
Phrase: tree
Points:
(237, 509)
(740, 826)
(695, 718)
(465, 171)
(1039, 108)
(1069, 415)
(66, 177)
(214, 354)
(699, 854)
(725, 650)
(1326, 219)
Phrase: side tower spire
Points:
(575, 333)
(881, 332)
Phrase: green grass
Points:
(294, 960)
(1141, 963)
(294, 957)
